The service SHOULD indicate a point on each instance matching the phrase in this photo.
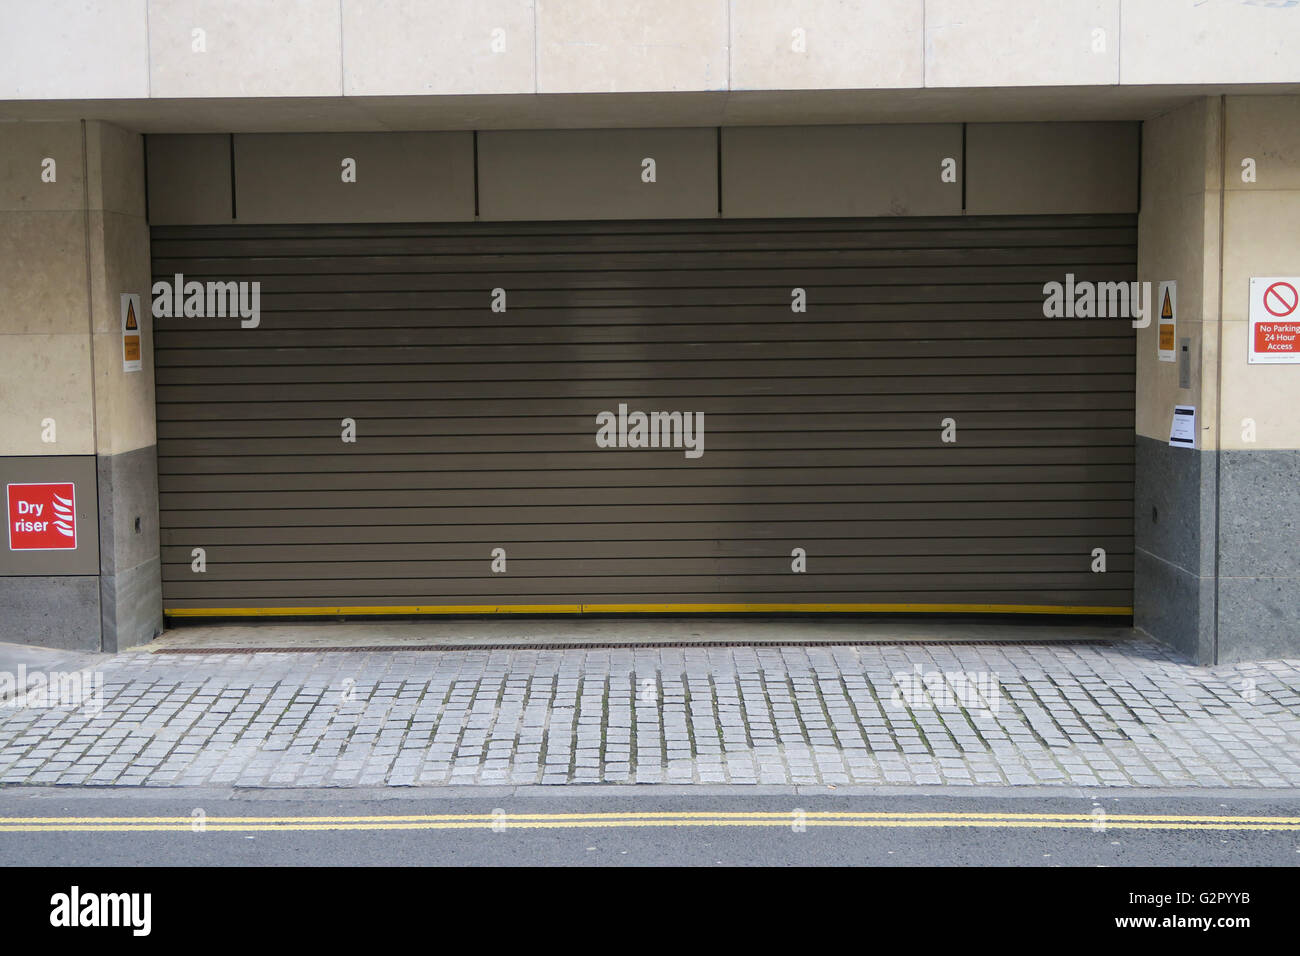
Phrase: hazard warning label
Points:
(130, 332)
(1274, 320)
(1167, 301)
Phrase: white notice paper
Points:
(1183, 431)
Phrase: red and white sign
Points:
(1274, 321)
(42, 517)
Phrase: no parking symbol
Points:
(1280, 299)
(1274, 321)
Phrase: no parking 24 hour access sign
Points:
(1274, 320)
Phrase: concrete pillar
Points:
(73, 238)
(1259, 405)
(1178, 239)
(130, 582)
(1217, 527)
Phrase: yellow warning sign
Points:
(1168, 321)
(131, 361)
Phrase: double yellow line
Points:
(789, 819)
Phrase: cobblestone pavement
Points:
(1124, 715)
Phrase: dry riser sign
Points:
(42, 516)
(1274, 321)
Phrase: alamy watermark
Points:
(948, 690)
(635, 429)
(77, 908)
(208, 300)
(1085, 299)
(42, 690)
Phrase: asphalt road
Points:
(638, 826)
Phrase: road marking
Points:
(550, 821)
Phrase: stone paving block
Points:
(1127, 715)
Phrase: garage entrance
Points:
(918, 438)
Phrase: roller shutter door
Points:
(476, 430)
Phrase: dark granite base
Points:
(130, 576)
(58, 611)
(1258, 542)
